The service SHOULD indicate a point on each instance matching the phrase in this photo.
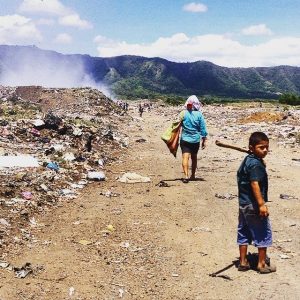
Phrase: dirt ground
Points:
(161, 242)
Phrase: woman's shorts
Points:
(253, 228)
(187, 147)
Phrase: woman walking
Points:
(193, 130)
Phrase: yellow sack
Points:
(171, 136)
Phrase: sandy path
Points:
(166, 239)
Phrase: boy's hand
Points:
(263, 211)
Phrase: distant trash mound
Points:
(268, 117)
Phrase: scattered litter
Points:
(85, 242)
(53, 166)
(163, 184)
(226, 196)
(69, 156)
(110, 228)
(124, 245)
(121, 293)
(287, 197)
(175, 275)
(109, 194)
(27, 195)
(6, 265)
(23, 271)
(133, 178)
(38, 123)
(71, 291)
(4, 222)
(67, 192)
(284, 241)
(97, 176)
(197, 229)
(284, 256)
(101, 162)
(141, 140)
(22, 161)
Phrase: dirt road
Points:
(158, 242)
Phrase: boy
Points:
(254, 224)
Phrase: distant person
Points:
(254, 225)
(88, 144)
(141, 110)
(193, 130)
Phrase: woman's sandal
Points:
(266, 269)
(185, 180)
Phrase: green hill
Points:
(136, 77)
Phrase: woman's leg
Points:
(185, 164)
(194, 165)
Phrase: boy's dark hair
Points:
(257, 137)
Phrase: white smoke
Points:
(51, 70)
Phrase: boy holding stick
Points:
(254, 225)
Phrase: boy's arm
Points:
(263, 210)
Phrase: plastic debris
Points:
(109, 194)
(284, 256)
(23, 271)
(69, 156)
(71, 291)
(27, 195)
(133, 178)
(287, 197)
(197, 229)
(110, 228)
(226, 196)
(98, 176)
(53, 166)
(4, 222)
(22, 161)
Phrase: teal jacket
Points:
(193, 126)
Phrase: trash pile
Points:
(235, 121)
(53, 142)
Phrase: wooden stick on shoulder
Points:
(220, 144)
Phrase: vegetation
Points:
(290, 99)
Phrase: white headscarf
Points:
(194, 101)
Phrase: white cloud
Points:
(67, 17)
(195, 7)
(53, 7)
(63, 38)
(102, 40)
(260, 29)
(44, 21)
(16, 29)
(220, 49)
(74, 21)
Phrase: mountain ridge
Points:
(133, 76)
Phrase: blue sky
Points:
(233, 33)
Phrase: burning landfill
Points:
(53, 142)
